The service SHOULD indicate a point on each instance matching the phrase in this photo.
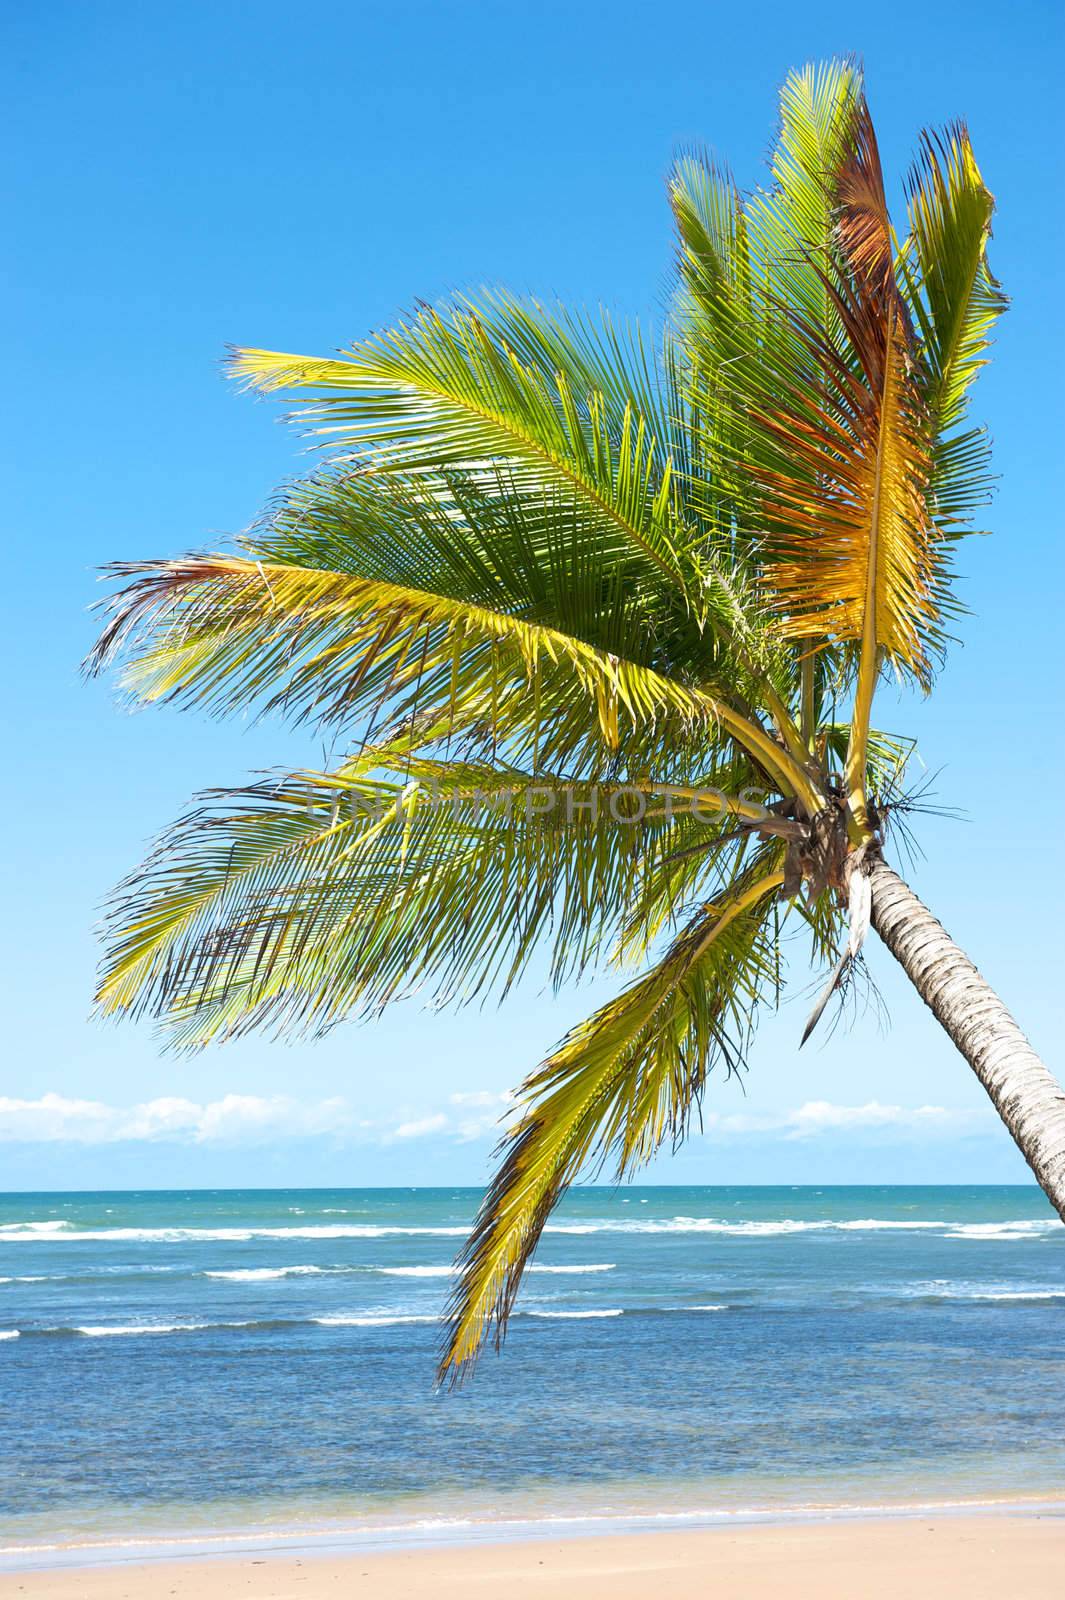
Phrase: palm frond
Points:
(484, 537)
(544, 441)
(957, 297)
(618, 1085)
(851, 554)
(311, 897)
(476, 385)
(744, 265)
(956, 301)
(793, 223)
(222, 631)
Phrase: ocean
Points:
(258, 1366)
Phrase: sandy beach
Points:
(990, 1557)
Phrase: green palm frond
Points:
(956, 297)
(793, 222)
(467, 389)
(223, 631)
(956, 302)
(312, 897)
(485, 538)
(747, 265)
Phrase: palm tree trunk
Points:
(1026, 1096)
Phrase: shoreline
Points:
(457, 1533)
(961, 1557)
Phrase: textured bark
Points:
(1025, 1094)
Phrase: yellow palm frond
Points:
(851, 553)
(220, 630)
(619, 1084)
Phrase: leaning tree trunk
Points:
(1026, 1096)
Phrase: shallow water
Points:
(174, 1364)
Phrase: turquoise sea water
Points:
(185, 1365)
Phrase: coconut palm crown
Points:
(598, 629)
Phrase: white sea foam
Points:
(21, 1234)
(696, 1225)
(415, 1272)
(1024, 1294)
(575, 1315)
(114, 1330)
(262, 1274)
(132, 1329)
(947, 1289)
(880, 1224)
(767, 1229)
(1026, 1228)
(120, 1329)
(381, 1321)
(35, 1229)
(593, 1266)
(779, 1227)
(9, 1333)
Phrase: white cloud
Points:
(816, 1117)
(481, 1098)
(235, 1118)
(484, 1113)
(237, 1115)
(55, 1117)
(820, 1116)
(420, 1127)
(471, 1115)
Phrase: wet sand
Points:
(987, 1557)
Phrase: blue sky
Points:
(180, 177)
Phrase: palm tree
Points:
(580, 617)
